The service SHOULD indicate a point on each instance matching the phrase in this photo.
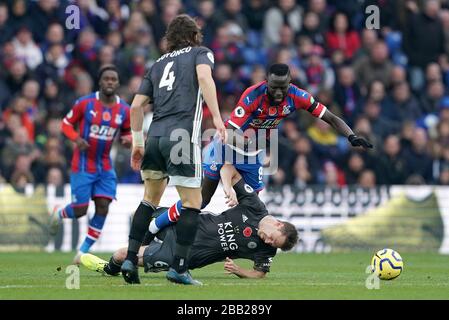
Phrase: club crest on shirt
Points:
(106, 116)
(286, 110)
(239, 112)
(248, 188)
(118, 119)
(213, 166)
(252, 245)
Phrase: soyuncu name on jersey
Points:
(175, 53)
(227, 236)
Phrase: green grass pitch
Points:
(293, 277)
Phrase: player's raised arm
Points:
(207, 85)
(304, 100)
(342, 128)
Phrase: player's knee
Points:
(80, 211)
(120, 255)
(102, 206)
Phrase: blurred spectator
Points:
(303, 175)
(227, 44)
(19, 15)
(54, 65)
(444, 176)
(254, 11)
(347, 92)
(319, 75)
(381, 126)
(54, 35)
(421, 48)
(367, 179)
(341, 36)
(401, 105)
(231, 11)
(6, 30)
(369, 38)
(19, 106)
(431, 98)
(332, 175)
(26, 49)
(44, 12)
(324, 140)
(417, 157)
(286, 13)
(206, 21)
(311, 28)
(391, 168)
(376, 66)
(319, 8)
(354, 165)
(17, 146)
(55, 177)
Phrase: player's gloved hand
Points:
(231, 196)
(81, 143)
(136, 157)
(221, 129)
(359, 141)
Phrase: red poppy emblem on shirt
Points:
(272, 111)
(247, 232)
(107, 116)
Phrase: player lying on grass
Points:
(245, 231)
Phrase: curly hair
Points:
(182, 32)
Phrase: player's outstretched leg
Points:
(97, 264)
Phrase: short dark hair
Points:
(108, 67)
(182, 32)
(279, 69)
(289, 230)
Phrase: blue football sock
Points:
(67, 212)
(167, 218)
(93, 233)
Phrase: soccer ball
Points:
(387, 264)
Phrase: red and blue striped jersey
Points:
(98, 124)
(254, 110)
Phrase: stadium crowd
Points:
(391, 84)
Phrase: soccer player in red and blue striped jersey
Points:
(100, 117)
